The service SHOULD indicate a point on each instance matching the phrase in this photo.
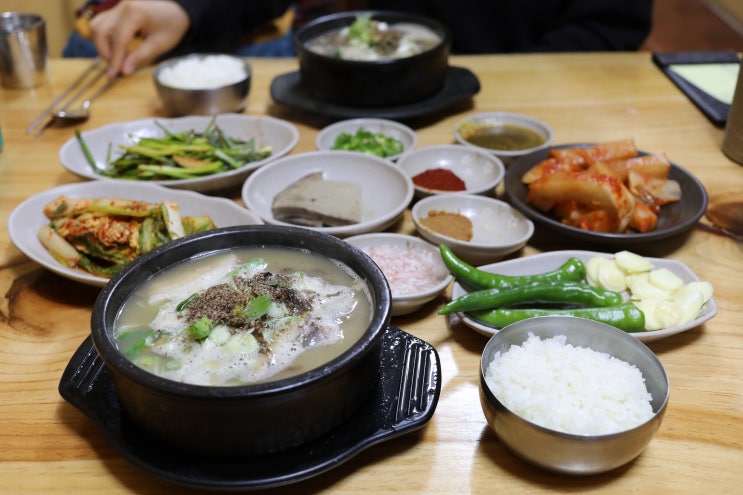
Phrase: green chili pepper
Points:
(573, 270)
(572, 293)
(627, 316)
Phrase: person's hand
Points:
(157, 26)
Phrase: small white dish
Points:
(386, 190)
(104, 143)
(480, 171)
(545, 262)
(406, 267)
(498, 229)
(26, 219)
(465, 127)
(326, 138)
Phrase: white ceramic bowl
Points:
(499, 119)
(327, 136)
(386, 190)
(564, 452)
(480, 171)
(409, 302)
(498, 228)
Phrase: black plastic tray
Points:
(404, 400)
(459, 84)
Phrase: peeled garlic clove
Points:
(689, 303)
(592, 269)
(669, 314)
(647, 306)
(632, 263)
(611, 277)
(704, 287)
(640, 288)
(665, 279)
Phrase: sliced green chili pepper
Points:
(627, 316)
(573, 293)
(573, 270)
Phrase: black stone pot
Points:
(380, 83)
(251, 419)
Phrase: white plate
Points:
(545, 262)
(104, 141)
(26, 219)
(386, 189)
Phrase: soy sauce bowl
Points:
(527, 134)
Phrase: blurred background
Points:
(678, 25)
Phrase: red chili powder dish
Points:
(440, 179)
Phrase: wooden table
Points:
(48, 446)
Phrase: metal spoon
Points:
(81, 114)
(75, 116)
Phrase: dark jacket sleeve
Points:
(589, 25)
(216, 24)
(512, 26)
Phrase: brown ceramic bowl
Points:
(366, 83)
(248, 419)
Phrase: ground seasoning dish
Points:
(450, 224)
(439, 179)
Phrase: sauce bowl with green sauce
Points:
(506, 135)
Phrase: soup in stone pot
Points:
(244, 340)
(370, 39)
(244, 316)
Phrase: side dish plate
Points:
(386, 191)
(403, 401)
(26, 219)
(104, 143)
(673, 219)
(540, 263)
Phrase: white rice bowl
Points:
(571, 389)
(608, 389)
(207, 72)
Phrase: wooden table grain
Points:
(48, 446)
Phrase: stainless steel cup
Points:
(23, 50)
(732, 144)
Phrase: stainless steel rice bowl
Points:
(181, 96)
(565, 452)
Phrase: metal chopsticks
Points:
(92, 73)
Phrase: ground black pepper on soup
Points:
(244, 316)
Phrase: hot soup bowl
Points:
(254, 418)
(372, 83)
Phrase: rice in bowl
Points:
(203, 72)
(569, 388)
